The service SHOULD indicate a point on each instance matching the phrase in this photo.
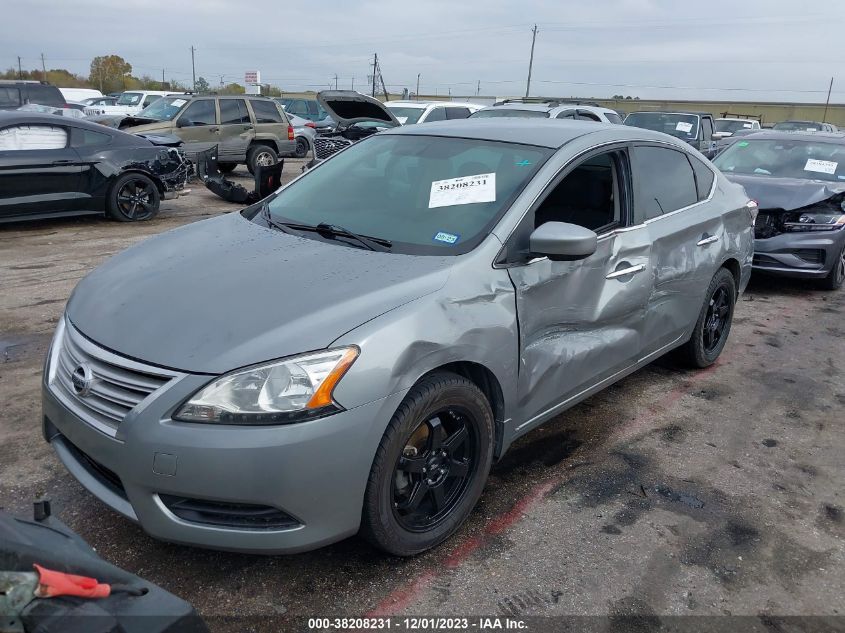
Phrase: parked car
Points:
(304, 132)
(305, 108)
(798, 181)
(696, 128)
(131, 102)
(53, 166)
(351, 354)
(725, 142)
(410, 112)
(528, 108)
(726, 126)
(79, 95)
(14, 94)
(804, 126)
(247, 129)
(98, 101)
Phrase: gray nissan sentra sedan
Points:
(352, 355)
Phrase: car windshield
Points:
(163, 109)
(488, 113)
(406, 115)
(683, 126)
(428, 195)
(784, 159)
(732, 125)
(797, 126)
(129, 98)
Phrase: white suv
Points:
(130, 102)
(408, 112)
(549, 109)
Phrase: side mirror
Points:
(183, 122)
(561, 241)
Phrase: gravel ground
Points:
(671, 493)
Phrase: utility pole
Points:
(478, 88)
(375, 72)
(353, 83)
(20, 72)
(827, 103)
(193, 70)
(162, 78)
(531, 60)
(43, 69)
(417, 93)
(335, 81)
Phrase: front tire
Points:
(133, 198)
(301, 147)
(430, 467)
(837, 274)
(260, 156)
(714, 322)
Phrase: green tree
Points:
(232, 89)
(201, 86)
(109, 73)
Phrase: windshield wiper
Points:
(324, 228)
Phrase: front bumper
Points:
(803, 255)
(314, 472)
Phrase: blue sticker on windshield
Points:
(523, 163)
(448, 238)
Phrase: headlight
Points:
(281, 392)
(816, 221)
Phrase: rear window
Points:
(266, 111)
(10, 97)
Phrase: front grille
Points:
(228, 515)
(102, 474)
(118, 385)
(324, 147)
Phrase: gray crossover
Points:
(352, 355)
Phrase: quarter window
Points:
(703, 177)
(266, 111)
(664, 182)
(86, 138)
(200, 112)
(33, 137)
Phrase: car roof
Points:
(551, 133)
(695, 112)
(425, 104)
(826, 137)
(11, 117)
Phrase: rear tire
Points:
(837, 274)
(714, 322)
(301, 147)
(260, 155)
(226, 168)
(430, 467)
(133, 198)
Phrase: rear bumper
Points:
(315, 472)
(800, 255)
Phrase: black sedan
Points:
(52, 166)
(798, 181)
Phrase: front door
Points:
(236, 130)
(580, 322)
(197, 126)
(39, 172)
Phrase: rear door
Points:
(686, 238)
(39, 171)
(580, 322)
(271, 125)
(236, 130)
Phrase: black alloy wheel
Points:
(134, 197)
(433, 471)
(716, 321)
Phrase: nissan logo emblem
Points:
(83, 379)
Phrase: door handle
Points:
(633, 270)
(707, 240)
(63, 162)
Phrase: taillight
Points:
(290, 133)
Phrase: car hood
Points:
(347, 107)
(786, 193)
(225, 293)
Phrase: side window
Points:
(87, 138)
(664, 182)
(613, 117)
(151, 99)
(706, 129)
(586, 115)
(313, 107)
(199, 112)
(266, 111)
(566, 114)
(436, 114)
(457, 113)
(233, 111)
(297, 107)
(32, 137)
(703, 177)
(9, 97)
(587, 196)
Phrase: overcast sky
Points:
(773, 50)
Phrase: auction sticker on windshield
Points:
(821, 166)
(683, 126)
(178, 103)
(463, 190)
